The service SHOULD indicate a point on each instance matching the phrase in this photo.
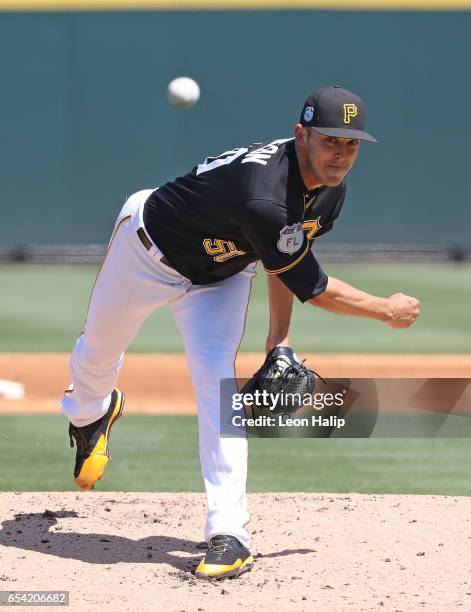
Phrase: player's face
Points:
(329, 159)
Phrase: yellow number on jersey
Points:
(221, 250)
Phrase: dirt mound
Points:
(125, 551)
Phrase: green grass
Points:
(43, 309)
(160, 453)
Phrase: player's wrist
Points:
(275, 339)
(388, 313)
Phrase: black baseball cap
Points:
(334, 111)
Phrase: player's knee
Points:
(86, 358)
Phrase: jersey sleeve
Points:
(283, 248)
(306, 279)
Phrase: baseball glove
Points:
(284, 375)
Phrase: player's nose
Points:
(341, 151)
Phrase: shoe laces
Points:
(220, 544)
(79, 436)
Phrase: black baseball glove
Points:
(282, 375)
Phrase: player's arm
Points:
(281, 306)
(398, 310)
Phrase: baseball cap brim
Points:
(345, 133)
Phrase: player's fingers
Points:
(399, 324)
(414, 306)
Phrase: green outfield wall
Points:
(85, 120)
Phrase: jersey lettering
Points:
(222, 250)
(225, 158)
(262, 155)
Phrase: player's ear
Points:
(300, 135)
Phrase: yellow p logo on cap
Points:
(349, 111)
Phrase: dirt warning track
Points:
(161, 383)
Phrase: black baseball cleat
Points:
(92, 444)
(226, 558)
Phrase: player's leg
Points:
(211, 319)
(129, 286)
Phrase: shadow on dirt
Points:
(32, 531)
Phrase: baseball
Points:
(183, 92)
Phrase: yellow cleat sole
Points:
(94, 466)
(215, 572)
(92, 470)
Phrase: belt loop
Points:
(144, 239)
(151, 247)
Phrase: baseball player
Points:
(193, 243)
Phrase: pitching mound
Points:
(122, 551)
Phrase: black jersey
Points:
(247, 204)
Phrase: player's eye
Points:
(354, 143)
(332, 140)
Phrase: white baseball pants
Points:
(131, 284)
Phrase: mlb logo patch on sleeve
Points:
(291, 238)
